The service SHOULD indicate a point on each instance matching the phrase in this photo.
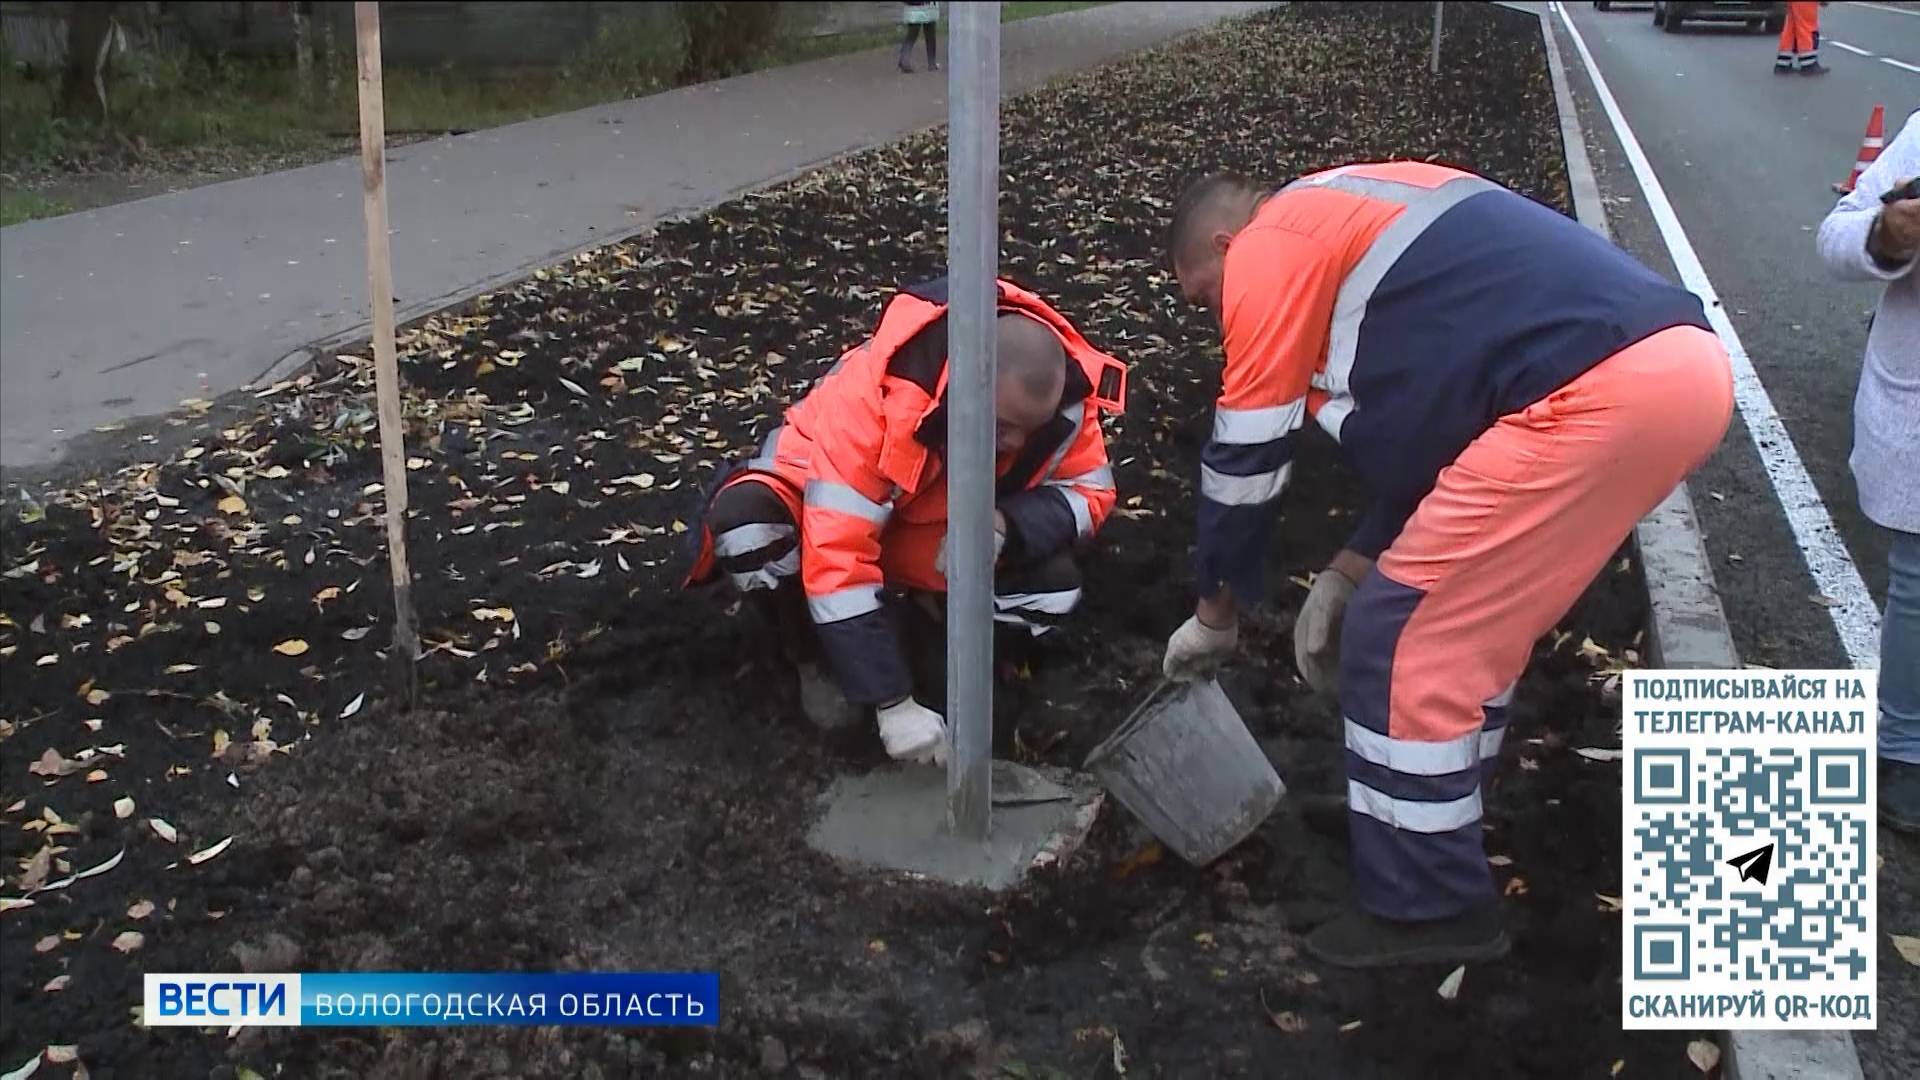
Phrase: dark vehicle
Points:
(1669, 15)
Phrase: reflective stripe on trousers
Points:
(1037, 611)
(747, 553)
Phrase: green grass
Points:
(188, 116)
(1015, 10)
(19, 206)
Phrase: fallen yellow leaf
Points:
(129, 941)
(163, 829)
(140, 910)
(233, 504)
(1907, 947)
(291, 647)
(123, 808)
(199, 857)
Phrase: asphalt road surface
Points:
(1745, 159)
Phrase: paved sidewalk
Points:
(125, 311)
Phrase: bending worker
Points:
(847, 502)
(1515, 392)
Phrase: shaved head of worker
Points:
(842, 510)
(1515, 393)
(1205, 221)
(1031, 373)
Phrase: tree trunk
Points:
(303, 45)
(88, 25)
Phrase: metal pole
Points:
(1438, 9)
(973, 262)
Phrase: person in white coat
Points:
(1867, 238)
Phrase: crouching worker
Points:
(1515, 393)
(844, 507)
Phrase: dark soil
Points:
(609, 774)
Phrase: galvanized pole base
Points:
(973, 264)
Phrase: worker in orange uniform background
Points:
(845, 504)
(1800, 40)
(1516, 393)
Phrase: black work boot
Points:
(822, 700)
(1360, 940)
(1900, 796)
(784, 610)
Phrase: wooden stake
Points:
(1439, 12)
(386, 367)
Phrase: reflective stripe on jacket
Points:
(1406, 307)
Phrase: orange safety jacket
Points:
(862, 456)
(1405, 307)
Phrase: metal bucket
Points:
(1187, 767)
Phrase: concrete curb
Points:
(1687, 626)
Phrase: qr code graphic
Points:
(1748, 894)
(1804, 921)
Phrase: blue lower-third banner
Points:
(404, 999)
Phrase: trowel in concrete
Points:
(1017, 785)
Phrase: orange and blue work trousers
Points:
(1511, 534)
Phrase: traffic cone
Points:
(1870, 145)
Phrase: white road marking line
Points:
(1854, 616)
(1855, 49)
(1901, 64)
(1883, 7)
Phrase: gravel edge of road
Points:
(1687, 625)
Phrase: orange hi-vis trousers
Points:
(1514, 530)
(1800, 37)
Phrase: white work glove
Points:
(913, 732)
(1316, 633)
(940, 560)
(1196, 649)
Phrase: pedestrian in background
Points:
(1867, 239)
(1800, 40)
(920, 17)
